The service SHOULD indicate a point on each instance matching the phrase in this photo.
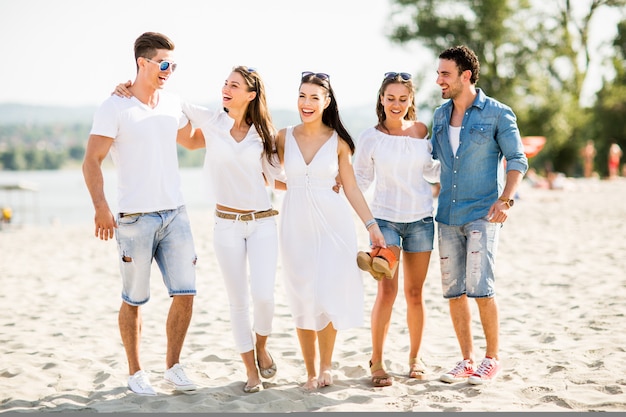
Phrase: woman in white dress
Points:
(318, 240)
(396, 153)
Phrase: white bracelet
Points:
(370, 223)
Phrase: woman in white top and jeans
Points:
(396, 153)
(238, 141)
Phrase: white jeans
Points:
(239, 245)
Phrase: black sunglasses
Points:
(319, 75)
(404, 75)
(164, 65)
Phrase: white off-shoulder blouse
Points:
(403, 170)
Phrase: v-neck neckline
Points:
(314, 154)
(243, 138)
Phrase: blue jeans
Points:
(467, 258)
(417, 236)
(165, 236)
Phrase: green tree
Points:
(534, 57)
(479, 24)
(76, 152)
(13, 159)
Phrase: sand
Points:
(561, 292)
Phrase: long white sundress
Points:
(318, 242)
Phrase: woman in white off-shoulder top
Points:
(396, 155)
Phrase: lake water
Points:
(62, 195)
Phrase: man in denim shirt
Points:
(472, 134)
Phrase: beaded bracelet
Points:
(370, 223)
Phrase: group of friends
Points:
(140, 126)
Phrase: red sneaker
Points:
(459, 373)
(487, 371)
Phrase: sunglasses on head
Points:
(251, 70)
(404, 75)
(164, 65)
(319, 75)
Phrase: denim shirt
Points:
(472, 180)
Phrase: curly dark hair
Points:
(465, 59)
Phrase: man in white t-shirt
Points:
(151, 218)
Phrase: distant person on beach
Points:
(151, 221)
(317, 237)
(239, 162)
(588, 154)
(536, 180)
(472, 134)
(396, 153)
(615, 156)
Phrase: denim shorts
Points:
(412, 237)
(467, 258)
(164, 236)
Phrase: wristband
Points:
(370, 223)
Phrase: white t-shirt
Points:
(144, 151)
(403, 168)
(455, 138)
(234, 169)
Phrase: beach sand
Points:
(561, 292)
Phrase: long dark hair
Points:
(411, 113)
(330, 116)
(257, 113)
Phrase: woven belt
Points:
(246, 217)
(129, 214)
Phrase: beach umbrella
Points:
(533, 145)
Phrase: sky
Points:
(74, 52)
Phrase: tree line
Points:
(50, 146)
(535, 56)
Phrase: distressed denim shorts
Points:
(467, 257)
(417, 236)
(164, 236)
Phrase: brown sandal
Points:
(364, 261)
(383, 380)
(417, 370)
(385, 262)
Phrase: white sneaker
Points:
(140, 383)
(176, 376)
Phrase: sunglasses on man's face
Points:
(404, 75)
(164, 65)
(319, 75)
